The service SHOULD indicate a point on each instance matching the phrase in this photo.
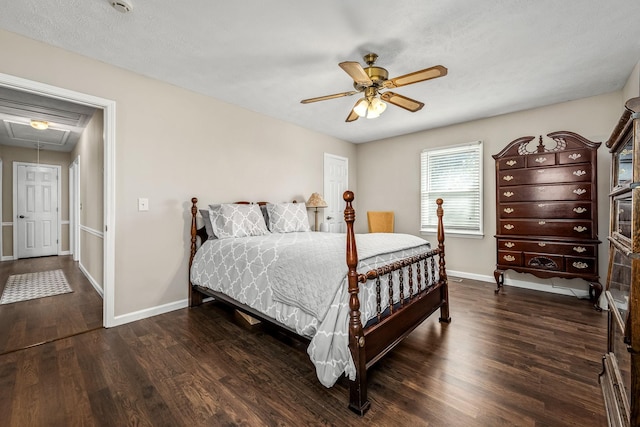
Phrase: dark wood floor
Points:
(522, 358)
(26, 323)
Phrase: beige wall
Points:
(396, 183)
(9, 155)
(172, 144)
(90, 152)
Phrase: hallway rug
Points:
(28, 286)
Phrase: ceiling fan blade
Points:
(323, 98)
(357, 73)
(352, 117)
(402, 101)
(417, 76)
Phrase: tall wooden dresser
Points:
(620, 377)
(547, 214)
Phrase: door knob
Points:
(21, 216)
(329, 217)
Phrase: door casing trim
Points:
(109, 127)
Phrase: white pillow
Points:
(288, 217)
(232, 220)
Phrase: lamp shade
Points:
(316, 201)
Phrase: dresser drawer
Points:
(544, 261)
(574, 156)
(575, 249)
(508, 163)
(581, 265)
(577, 173)
(542, 227)
(540, 160)
(551, 210)
(579, 192)
(510, 258)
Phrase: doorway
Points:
(108, 232)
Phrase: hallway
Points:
(28, 323)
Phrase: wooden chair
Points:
(380, 222)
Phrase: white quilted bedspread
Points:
(299, 279)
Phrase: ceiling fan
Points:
(371, 80)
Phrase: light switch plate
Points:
(143, 204)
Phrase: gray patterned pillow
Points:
(232, 220)
(288, 217)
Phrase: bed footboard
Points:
(416, 300)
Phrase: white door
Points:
(336, 181)
(37, 210)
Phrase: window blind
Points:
(455, 175)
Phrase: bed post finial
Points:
(195, 298)
(358, 401)
(442, 272)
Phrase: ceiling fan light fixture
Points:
(39, 124)
(377, 106)
(361, 107)
(370, 108)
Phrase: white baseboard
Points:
(551, 287)
(91, 280)
(150, 312)
(11, 258)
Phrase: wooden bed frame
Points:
(367, 344)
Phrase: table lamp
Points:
(316, 201)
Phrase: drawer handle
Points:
(542, 244)
(579, 173)
(580, 265)
(509, 244)
(580, 228)
(508, 210)
(579, 191)
(509, 258)
(509, 226)
(575, 156)
(542, 205)
(579, 249)
(508, 194)
(579, 210)
(541, 159)
(542, 222)
(507, 177)
(511, 162)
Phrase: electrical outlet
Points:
(143, 204)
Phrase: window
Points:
(453, 174)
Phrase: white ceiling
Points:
(266, 56)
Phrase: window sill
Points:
(453, 234)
